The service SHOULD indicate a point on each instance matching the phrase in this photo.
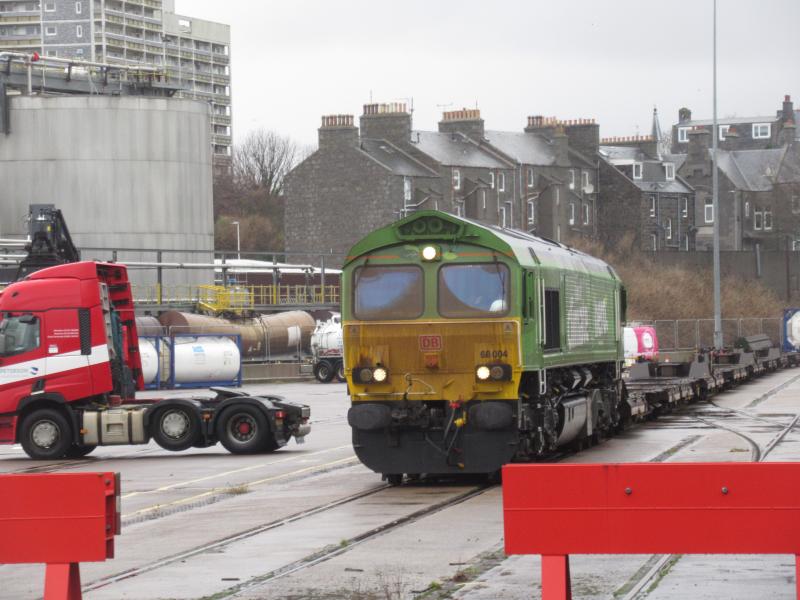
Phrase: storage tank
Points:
(127, 172)
(206, 360)
(150, 359)
(267, 336)
(148, 326)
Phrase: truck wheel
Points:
(244, 430)
(324, 371)
(340, 373)
(45, 434)
(76, 451)
(175, 428)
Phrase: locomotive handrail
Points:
(690, 508)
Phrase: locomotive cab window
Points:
(474, 290)
(388, 293)
(18, 335)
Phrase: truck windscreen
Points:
(18, 335)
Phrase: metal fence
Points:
(688, 334)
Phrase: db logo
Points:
(430, 343)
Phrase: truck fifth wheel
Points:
(70, 368)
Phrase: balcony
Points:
(11, 18)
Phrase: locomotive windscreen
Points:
(475, 290)
(388, 293)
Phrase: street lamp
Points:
(238, 242)
(718, 341)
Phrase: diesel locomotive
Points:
(468, 346)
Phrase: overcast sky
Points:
(612, 60)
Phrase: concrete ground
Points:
(310, 522)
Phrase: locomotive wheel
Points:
(76, 451)
(324, 371)
(244, 430)
(45, 434)
(176, 428)
(340, 373)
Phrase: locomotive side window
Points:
(18, 335)
(388, 293)
(552, 316)
(479, 290)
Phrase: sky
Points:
(293, 61)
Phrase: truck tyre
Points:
(76, 451)
(324, 371)
(340, 372)
(175, 428)
(244, 430)
(45, 434)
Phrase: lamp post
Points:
(718, 340)
(238, 242)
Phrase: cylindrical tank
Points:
(127, 172)
(266, 336)
(206, 359)
(150, 358)
(148, 326)
(326, 341)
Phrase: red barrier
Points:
(687, 508)
(60, 520)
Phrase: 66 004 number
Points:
(494, 353)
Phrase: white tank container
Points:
(206, 359)
(326, 341)
(147, 351)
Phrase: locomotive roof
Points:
(528, 250)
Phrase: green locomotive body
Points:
(468, 346)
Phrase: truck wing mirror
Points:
(27, 319)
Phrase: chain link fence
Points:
(688, 334)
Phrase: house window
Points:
(746, 210)
(78, 8)
(531, 213)
(459, 209)
(79, 52)
(502, 211)
(407, 189)
(571, 179)
(669, 169)
(683, 134)
(652, 206)
(709, 210)
(530, 177)
(585, 214)
(758, 220)
(491, 180)
(483, 198)
(768, 219)
(50, 30)
(723, 132)
(654, 239)
(49, 7)
(796, 245)
(456, 179)
(79, 31)
(585, 180)
(501, 182)
(762, 131)
(572, 213)
(796, 204)
(668, 229)
(685, 209)
(637, 170)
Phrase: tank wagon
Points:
(468, 346)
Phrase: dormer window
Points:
(669, 170)
(637, 170)
(456, 179)
(723, 132)
(683, 134)
(762, 131)
(571, 179)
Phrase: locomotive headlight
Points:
(497, 372)
(430, 253)
(365, 375)
(483, 373)
(380, 374)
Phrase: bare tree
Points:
(262, 161)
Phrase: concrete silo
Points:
(127, 172)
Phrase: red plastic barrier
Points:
(687, 508)
(60, 520)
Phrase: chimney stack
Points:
(684, 114)
(561, 146)
(699, 140)
(387, 121)
(787, 112)
(467, 121)
(337, 131)
(788, 133)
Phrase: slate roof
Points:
(728, 121)
(752, 170)
(525, 148)
(664, 187)
(613, 153)
(394, 159)
(675, 159)
(455, 150)
(653, 174)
